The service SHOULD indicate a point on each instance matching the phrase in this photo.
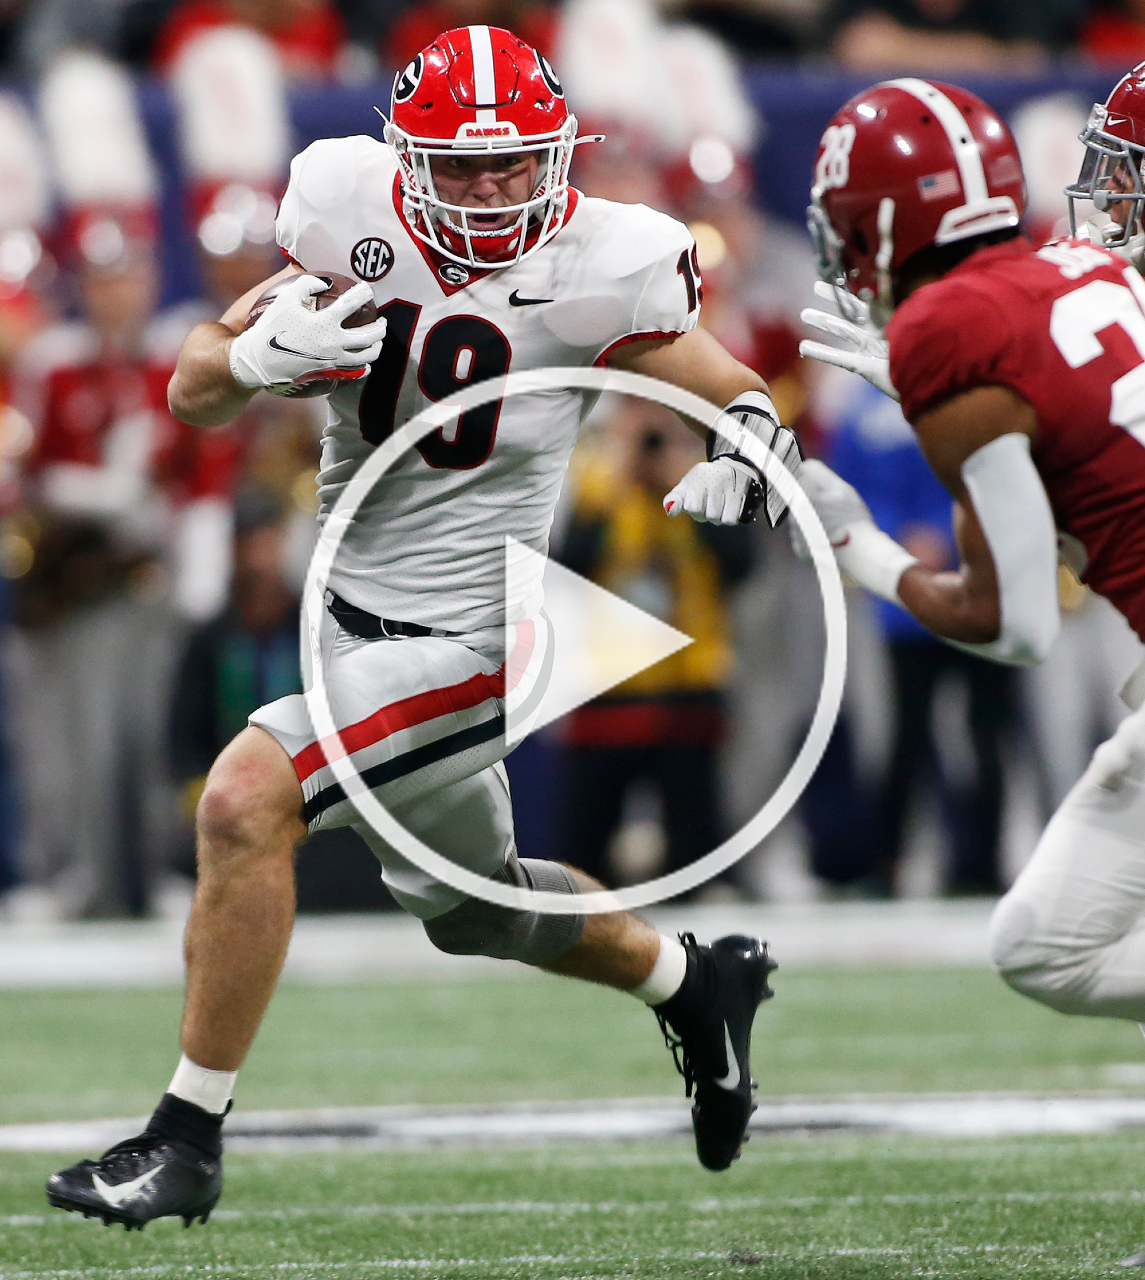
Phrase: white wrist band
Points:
(874, 560)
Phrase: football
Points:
(316, 384)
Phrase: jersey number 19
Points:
(458, 351)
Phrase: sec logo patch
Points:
(370, 259)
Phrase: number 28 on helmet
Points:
(903, 166)
(478, 91)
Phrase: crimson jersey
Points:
(1064, 327)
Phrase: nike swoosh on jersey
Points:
(274, 343)
(116, 1195)
(515, 300)
(731, 1080)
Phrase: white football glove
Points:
(714, 492)
(290, 340)
(869, 356)
(873, 559)
(838, 504)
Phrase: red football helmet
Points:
(1114, 138)
(904, 165)
(478, 90)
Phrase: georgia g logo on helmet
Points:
(405, 86)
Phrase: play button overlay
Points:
(598, 667)
(592, 642)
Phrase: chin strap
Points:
(883, 305)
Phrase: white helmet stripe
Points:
(484, 80)
(962, 142)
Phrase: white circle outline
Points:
(772, 812)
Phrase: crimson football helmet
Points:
(1114, 138)
(904, 165)
(480, 90)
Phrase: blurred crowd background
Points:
(149, 572)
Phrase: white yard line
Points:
(532, 1124)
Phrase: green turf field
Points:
(70, 1055)
(814, 1209)
(806, 1207)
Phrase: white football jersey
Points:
(428, 546)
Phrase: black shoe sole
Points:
(108, 1216)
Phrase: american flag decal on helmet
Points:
(939, 186)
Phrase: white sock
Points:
(667, 974)
(210, 1090)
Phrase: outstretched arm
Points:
(729, 488)
(694, 361)
(1001, 601)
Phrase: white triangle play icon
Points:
(597, 639)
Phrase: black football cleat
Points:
(707, 1025)
(147, 1177)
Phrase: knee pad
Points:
(478, 928)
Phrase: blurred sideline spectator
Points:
(874, 448)
(423, 21)
(244, 657)
(937, 36)
(752, 30)
(26, 269)
(1114, 33)
(110, 473)
(308, 34)
(1046, 130)
(665, 725)
(239, 661)
(1072, 696)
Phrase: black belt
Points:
(368, 626)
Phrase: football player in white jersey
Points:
(462, 227)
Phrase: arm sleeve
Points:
(1014, 512)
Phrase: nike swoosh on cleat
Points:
(116, 1195)
(275, 345)
(515, 300)
(731, 1080)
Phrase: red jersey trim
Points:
(649, 336)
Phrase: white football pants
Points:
(1071, 931)
(423, 721)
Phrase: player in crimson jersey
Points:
(1022, 371)
(462, 227)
